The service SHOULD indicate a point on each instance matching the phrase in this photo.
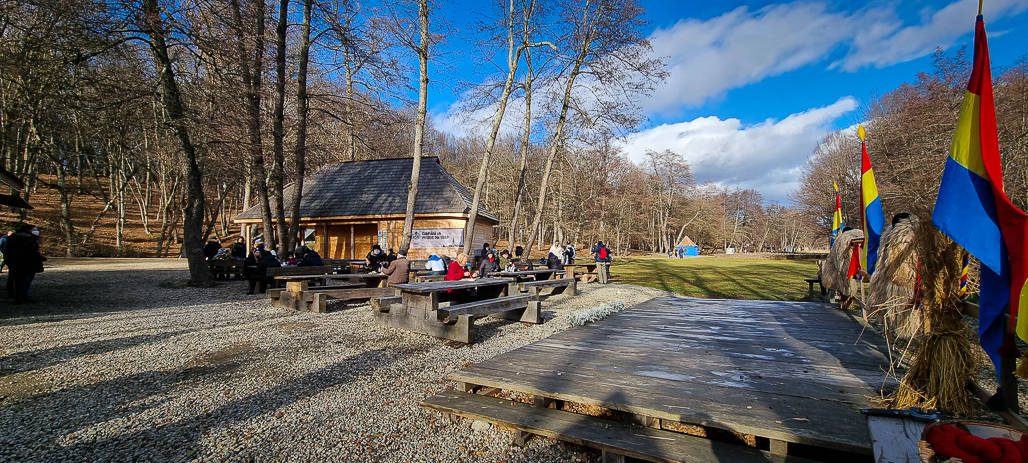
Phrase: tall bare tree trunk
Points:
(192, 225)
(513, 57)
(300, 151)
(252, 78)
(419, 128)
(526, 145)
(278, 131)
(557, 134)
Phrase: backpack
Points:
(518, 251)
(603, 254)
(446, 262)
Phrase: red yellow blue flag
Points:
(973, 210)
(872, 217)
(837, 223)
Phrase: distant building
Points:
(15, 185)
(348, 207)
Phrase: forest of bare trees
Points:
(909, 134)
(140, 127)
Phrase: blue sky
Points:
(754, 85)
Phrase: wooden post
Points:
(352, 244)
(1007, 379)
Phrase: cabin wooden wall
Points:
(333, 237)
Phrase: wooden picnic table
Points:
(419, 310)
(371, 280)
(529, 273)
(588, 270)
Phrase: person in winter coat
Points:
(211, 248)
(310, 258)
(375, 259)
(457, 270)
(255, 269)
(488, 265)
(239, 249)
(569, 254)
(435, 265)
(398, 270)
(603, 258)
(24, 260)
(3, 249)
(555, 259)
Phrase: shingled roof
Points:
(378, 187)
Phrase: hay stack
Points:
(944, 362)
(833, 272)
(892, 285)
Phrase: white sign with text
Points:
(437, 238)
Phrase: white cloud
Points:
(707, 58)
(710, 57)
(886, 41)
(766, 157)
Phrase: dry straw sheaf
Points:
(944, 362)
(833, 273)
(891, 294)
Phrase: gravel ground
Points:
(117, 361)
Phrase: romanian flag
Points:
(871, 216)
(973, 210)
(837, 217)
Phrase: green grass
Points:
(724, 277)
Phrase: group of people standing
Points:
(23, 260)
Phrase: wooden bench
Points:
(616, 440)
(383, 304)
(275, 293)
(290, 271)
(226, 269)
(533, 287)
(517, 307)
(299, 296)
(810, 286)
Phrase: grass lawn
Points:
(725, 277)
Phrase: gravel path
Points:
(119, 362)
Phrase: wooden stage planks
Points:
(791, 372)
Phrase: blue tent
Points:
(687, 247)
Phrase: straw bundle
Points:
(944, 362)
(833, 272)
(891, 294)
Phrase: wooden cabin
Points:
(349, 206)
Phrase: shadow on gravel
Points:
(70, 294)
(174, 440)
(42, 358)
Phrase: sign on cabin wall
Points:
(437, 238)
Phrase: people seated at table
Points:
(255, 269)
(391, 256)
(488, 265)
(435, 265)
(398, 270)
(555, 259)
(506, 264)
(457, 270)
(211, 248)
(375, 259)
(289, 259)
(223, 254)
(239, 249)
(309, 258)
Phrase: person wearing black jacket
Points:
(310, 258)
(211, 248)
(375, 259)
(255, 269)
(239, 249)
(24, 260)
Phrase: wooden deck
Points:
(787, 372)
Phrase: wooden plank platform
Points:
(791, 372)
(623, 439)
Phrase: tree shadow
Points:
(182, 439)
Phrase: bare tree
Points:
(605, 42)
(513, 58)
(154, 27)
(419, 127)
(300, 150)
(277, 183)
